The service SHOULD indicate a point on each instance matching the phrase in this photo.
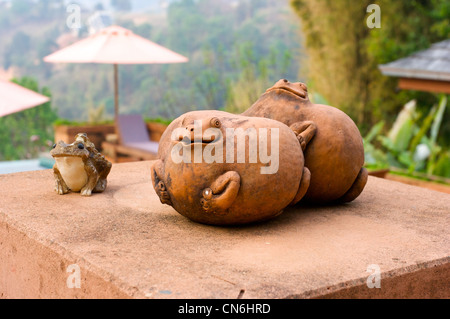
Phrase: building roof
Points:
(430, 64)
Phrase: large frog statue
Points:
(334, 156)
(79, 167)
(219, 168)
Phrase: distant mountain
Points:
(236, 49)
(136, 5)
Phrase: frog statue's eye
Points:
(80, 146)
(54, 145)
(215, 122)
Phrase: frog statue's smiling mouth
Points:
(289, 90)
(68, 155)
(187, 141)
(199, 132)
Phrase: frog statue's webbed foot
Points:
(161, 190)
(158, 184)
(60, 186)
(102, 181)
(93, 177)
(303, 187)
(357, 187)
(305, 131)
(221, 194)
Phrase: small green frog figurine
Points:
(79, 167)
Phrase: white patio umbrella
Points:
(15, 98)
(115, 45)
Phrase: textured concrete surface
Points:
(127, 244)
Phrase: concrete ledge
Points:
(128, 245)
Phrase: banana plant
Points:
(411, 143)
(374, 157)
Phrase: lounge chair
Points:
(134, 140)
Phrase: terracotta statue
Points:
(219, 168)
(334, 156)
(79, 167)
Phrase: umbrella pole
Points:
(116, 91)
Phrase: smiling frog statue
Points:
(225, 169)
(334, 156)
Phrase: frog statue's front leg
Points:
(158, 184)
(93, 176)
(305, 131)
(60, 185)
(222, 193)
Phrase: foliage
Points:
(23, 135)
(344, 54)
(159, 120)
(66, 122)
(122, 5)
(61, 122)
(374, 157)
(215, 35)
(255, 77)
(411, 143)
(20, 43)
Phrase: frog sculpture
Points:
(334, 156)
(79, 167)
(225, 169)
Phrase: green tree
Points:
(121, 5)
(208, 32)
(5, 19)
(344, 54)
(99, 7)
(21, 7)
(25, 134)
(20, 43)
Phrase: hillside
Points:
(250, 44)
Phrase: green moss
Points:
(418, 177)
(61, 121)
(77, 123)
(159, 120)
